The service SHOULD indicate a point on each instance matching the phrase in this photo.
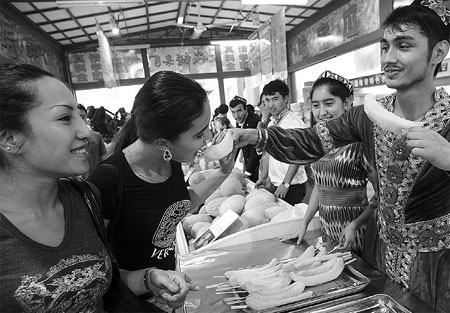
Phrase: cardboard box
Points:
(253, 234)
(218, 229)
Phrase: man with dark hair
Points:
(287, 178)
(412, 164)
(246, 119)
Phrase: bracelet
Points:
(258, 141)
(261, 145)
(146, 281)
(266, 138)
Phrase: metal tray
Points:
(379, 303)
(349, 282)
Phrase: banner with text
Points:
(184, 60)
(86, 67)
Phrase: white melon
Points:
(221, 149)
(385, 119)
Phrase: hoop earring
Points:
(167, 156)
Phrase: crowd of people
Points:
(53, 258)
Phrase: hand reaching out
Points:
(300, 233)
(259, 183)
(170, 287)
(347, 238)
(281, 191)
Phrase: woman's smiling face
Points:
(326, 106)
(56, 145)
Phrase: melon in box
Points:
(261, 217)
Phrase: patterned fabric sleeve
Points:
(304, 146)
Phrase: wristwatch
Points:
(287, 185)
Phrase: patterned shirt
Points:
(71, 277)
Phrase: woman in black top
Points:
(144, 192)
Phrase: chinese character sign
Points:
(331, 31)
(184, 60)
(27, 46)
(234, 57)
(86, 67)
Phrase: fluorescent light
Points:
(80, 3)
(230, 42)
(131, 47)
(274, 2)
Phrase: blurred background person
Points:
(222, 110)
(97, 148)
(221, 123)
(246, 119)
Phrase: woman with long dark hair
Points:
(142, 183)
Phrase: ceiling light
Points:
(114, 28)
(274, 2)
(79, 3)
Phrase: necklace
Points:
(145, 177)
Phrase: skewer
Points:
(237, 301)
(225, 292)
(216, 285)
(227, 288)
(334, 249)
(350, 261)
(233, 298)
(219, 276)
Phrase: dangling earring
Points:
(167, 156)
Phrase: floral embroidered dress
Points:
(414, 196)
(341, 177)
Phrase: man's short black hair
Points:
(274, 86)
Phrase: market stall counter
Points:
(208, 267)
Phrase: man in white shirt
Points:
(289, 180)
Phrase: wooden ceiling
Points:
(156, 22)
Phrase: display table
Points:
(202, 267)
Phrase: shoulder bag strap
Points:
(119, 191)
(88, 196)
